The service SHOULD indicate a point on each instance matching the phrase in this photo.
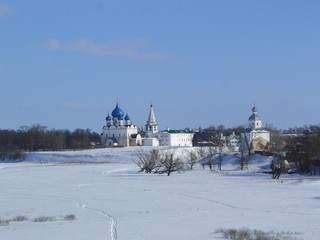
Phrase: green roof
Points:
(178, 131)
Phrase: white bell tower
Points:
(255, 120)
(152, 125)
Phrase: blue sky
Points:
(64, 64)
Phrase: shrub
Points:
(45, 219)
(18, 155)
(70, 217)
(20, 219)
(4, 222)
(247, 234)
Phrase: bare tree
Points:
(278, 143)
(247, 142)
(278, 167)
(149, 161)
(304, 150)
(244, 157)
(219, 141)
(211, 152)
(170, 164)
(202, 154)
(192, 158)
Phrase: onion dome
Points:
(108, 118)
(254, 115)
(118, 113)
(127, 117)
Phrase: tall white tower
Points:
(255, 120)
(152, 125)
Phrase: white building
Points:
(150, 141)
(119, 130)
(256, 137)
(175, 138)
(232, 142)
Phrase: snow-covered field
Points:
(104, 191)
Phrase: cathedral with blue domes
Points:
(119, 131)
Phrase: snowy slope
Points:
(105, 155)
(186, 206)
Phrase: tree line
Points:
(298, 146)
(38, 137)
(303, 150)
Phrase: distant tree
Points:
(220, 142)
(149, 162)
(278, 143)
(202, 154)
(247, 142)
(278, 167)
(38, 137)
(211, 152)
(192, 158)
(245, 146)
(243, 157)
(170, 164)
(304, 150)
(80, 139)
(23, 139)
(218, 139)
(156, 162)
(17, 155)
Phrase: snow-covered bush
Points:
(4, 222)
(45, 219)
(70, 217)
(19, 219)
(248, 234)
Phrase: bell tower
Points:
(152, 125)
(255, 120)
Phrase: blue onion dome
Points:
(127, 117)
(118, 113)
(108, 118)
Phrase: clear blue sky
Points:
(63, 64)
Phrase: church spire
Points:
(152, 125)
(152, 119)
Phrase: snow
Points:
(111, 200)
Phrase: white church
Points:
(119, 131)
(255, 135)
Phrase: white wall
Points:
(175, 139)
(153, 142)
(121, 134)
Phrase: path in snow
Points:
(113, 221)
